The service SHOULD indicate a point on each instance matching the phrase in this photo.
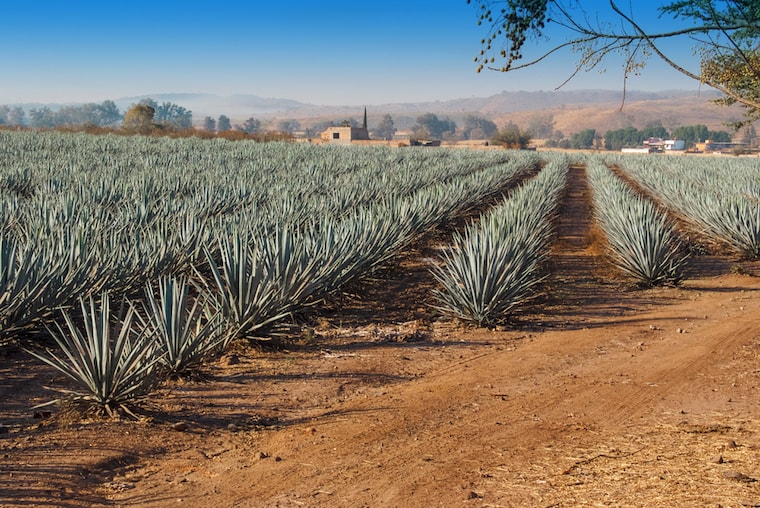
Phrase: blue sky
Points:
(327, 53)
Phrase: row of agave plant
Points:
(72, 244)
(494, 266)
(642, 240)
(141, 181)
(720, 197)
(77, 222)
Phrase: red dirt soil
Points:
(598, 394)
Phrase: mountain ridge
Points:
(571, 110)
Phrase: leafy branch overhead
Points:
(725, 35)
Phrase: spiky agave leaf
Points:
(642, 240)
(486, 276)
(113, 359)
(188, 330)
(247, 294)
(723, 207)
(291, 268)
(495, 266)
(644, 244)
(33, 282)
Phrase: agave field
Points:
(140, 256)
(126, 260)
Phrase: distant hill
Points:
(606, 112)
(571, 111)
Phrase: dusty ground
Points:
(599, 394)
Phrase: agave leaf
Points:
(495, 266)
(112, 363)
(247, 294)
(187, 331)
(643, 242)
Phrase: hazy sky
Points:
(332, 52)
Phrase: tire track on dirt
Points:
(526, 398)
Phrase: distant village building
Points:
(346, 134)
(658, 145)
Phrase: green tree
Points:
(173, 115)
(478, 127)
(73, 115)
(655, 130)
(429, 126)
(511, 137)
(139, 118)
(627, 137)
(104, 115)
(209, 124)
(583, 139)
(223, 124)
(4, 112)
(17, 116)
(737, 75)
(43, 117)
(719, 136)
(726, 34)
(385, 129)
(107, 114)
(691, 133)
(250, 126)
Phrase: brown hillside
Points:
(571, 111)
(671, 112)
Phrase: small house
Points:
(346, 134)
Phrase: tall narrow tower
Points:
(364, 125)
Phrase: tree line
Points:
(629, 137)
(429, 126)
(150, 117)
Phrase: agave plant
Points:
(644, 244)
(113, 360)
(188, 331)
(247, 295)
(18, 289)
(32, 283)
(642, 240)
(487, 275)
(718, 196)
(495, 266)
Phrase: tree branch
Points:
(739, 98)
